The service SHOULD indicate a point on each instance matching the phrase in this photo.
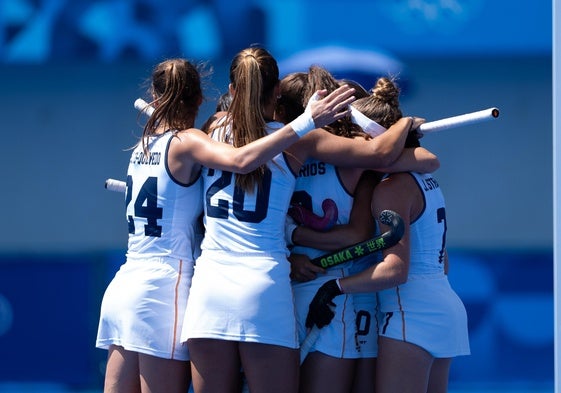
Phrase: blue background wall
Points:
(70, 71)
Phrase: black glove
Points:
(320, 312)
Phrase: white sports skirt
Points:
(428, 313)
(366, 309)
(339, 338)
(365, 305)
(143, 308)
(243, 297)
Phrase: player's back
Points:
(161, 212)
(247, 222)
(318, 181)
(428, 231)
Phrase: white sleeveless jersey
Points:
(425, 311)
(241, 287)
(241, 221)
(162, 213)
(316, 182)
(428, 231)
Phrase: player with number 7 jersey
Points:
(423, 323)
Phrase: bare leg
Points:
(121, 374)
(159, 375)
(326, 374)
(402, 367)
(365, 376)
(215, 365)
(270, 368)
(439, 372)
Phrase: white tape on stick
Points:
(115, 185)
(461, 120)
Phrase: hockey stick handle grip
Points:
(308, 342)
(115, 185)
(460, 120)
(143, 106)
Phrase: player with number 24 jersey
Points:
(161, 215)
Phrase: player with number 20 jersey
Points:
(241, 288)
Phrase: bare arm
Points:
(379, 152)
(416, 159)
(193, 147)
(359, 228)
(397, 193)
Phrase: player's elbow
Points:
(400, 279)
(399, 274)
(433, 163)
(386, 155)
(243, 164)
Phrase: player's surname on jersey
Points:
(430, 184)
(146, 159)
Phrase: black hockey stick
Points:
(367, 247)
(378, 243)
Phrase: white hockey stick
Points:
(144, 107)
(460, 120)
(308, 342)
(119, 185)
(115, 185)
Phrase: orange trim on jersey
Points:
(175, 305)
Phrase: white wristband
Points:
(303, 124)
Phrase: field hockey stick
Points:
(119, 185)
(144, 107)
(367, 247)
(378, 243)
(460, 120)
(115, 185)
(308, 342)
(311, 220)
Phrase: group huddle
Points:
(219, 292)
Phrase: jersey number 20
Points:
(220, 209)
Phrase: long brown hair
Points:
(292, 89)
(177, 94)
(254, 74)
(319, 78)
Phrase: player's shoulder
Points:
(396, 183)
(398, 177)
(213, 120)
